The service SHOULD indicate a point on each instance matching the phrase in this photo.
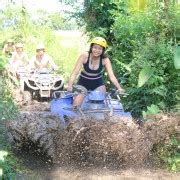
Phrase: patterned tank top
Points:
(88, 73)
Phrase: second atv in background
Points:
(40, 84)
(34, 78)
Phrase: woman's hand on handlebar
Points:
(121, 91)
(70, 88)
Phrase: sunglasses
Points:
(40, 50)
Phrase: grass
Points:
(8, 110)
(7, 160)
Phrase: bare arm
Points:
(12, 59)
(26, 58)
(52, 63)
(76, 70)
(113, 79)
(4, 48)
(31, 65)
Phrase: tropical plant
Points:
(168, 153)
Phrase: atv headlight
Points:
(45, 84)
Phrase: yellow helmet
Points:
(100, 41)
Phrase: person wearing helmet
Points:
(9, 47)
(19, 58)
(41, 60)
(92, 64)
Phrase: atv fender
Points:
(29, 85)
(57, 107)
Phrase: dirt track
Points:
(115, 149)
(101, 174)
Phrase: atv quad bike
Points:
(35, 85)
(41, 84)
(96, 105)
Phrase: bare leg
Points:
(101, 88)
(78, 100)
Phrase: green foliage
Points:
(97, 17)
(144, 75)
(57, 22)
(177, 57)
(9, 166)
(6, 170)
(136, 5)
(8, 110)
(151, 110)
(168, 153)
(2, 64)
(141, 41)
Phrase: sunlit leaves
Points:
(136, 5)
(2, 155)
(177, 57)
(144, 75)
(173, 160)
(1, 172)
(126, 66)
(2, 63)
(151, 110)
(160, 90)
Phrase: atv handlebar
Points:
(83, 90)
(42, 71)
(115, 92)
(63, 94)
(78, 89)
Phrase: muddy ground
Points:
(112, 149)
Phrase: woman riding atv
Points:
(9, 47)
(19, 58)
(41, 60)
(93, 62)
(17, 63)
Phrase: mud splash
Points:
(101, 174)
(114, 143)
(115, 148)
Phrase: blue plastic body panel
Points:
(57, 107)
(94, 104)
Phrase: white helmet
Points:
(40, 46)
(10, 41)
(19, 45)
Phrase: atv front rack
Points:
(110, 111)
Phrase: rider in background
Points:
(9, 47)
(19, 58)
(92, 64)
(41, 60)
